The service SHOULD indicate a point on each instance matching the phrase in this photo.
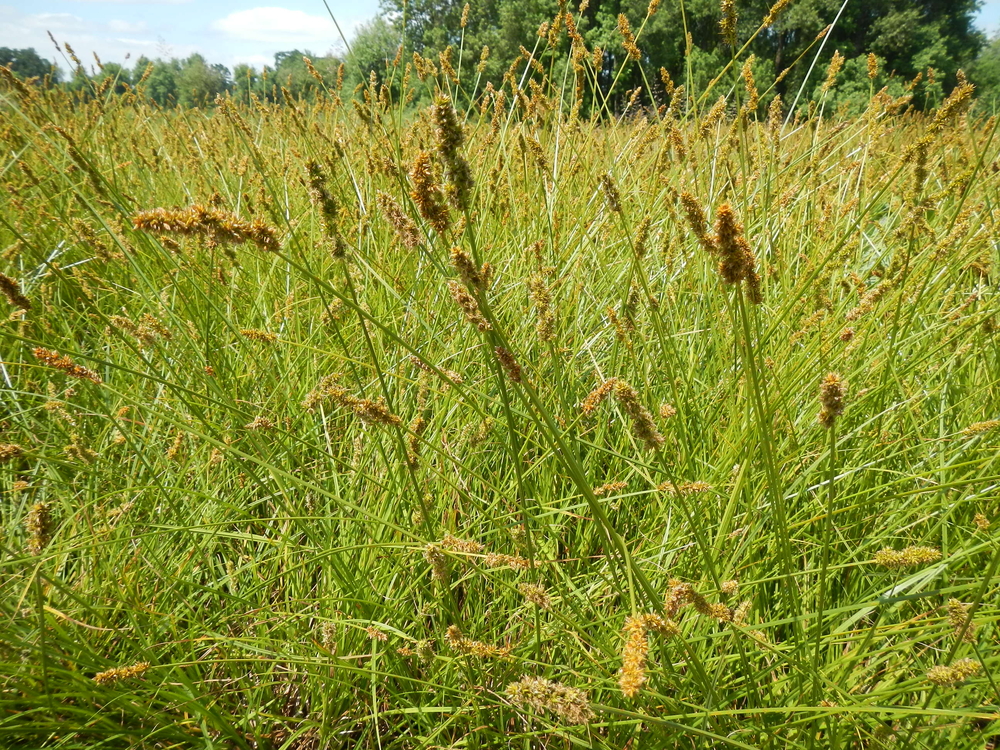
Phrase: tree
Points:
(198, 83)
(26, 63)
(910, 36)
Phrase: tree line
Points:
(920, 46)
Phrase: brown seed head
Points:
(11, 289)
(66, 364)
(569, 704)
(832, 391)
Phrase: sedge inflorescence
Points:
(212, 223)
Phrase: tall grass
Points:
(297, 469)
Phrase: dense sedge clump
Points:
(38, 525)
(907, 557)
(960, 671)
(11, 289)
(832, 391)
(569, 704)
(65, 364)
(211, 223)
(426, 193)
(117, 674)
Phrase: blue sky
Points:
(228, 31)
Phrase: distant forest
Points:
(920, 45)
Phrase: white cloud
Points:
(126, 27)
(279, 26)
(113, 42)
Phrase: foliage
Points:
(26, 63)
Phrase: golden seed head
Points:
(121, 673)
(509, 363)
(216, 225)
(628, 38)
(406, 229)
(609, 489)
(907, 557)
(831, 72)
(727, 24)
(260, 423)
(461, 545)
(598, 395)
(515, 562)
(466, 646)
(467, 271)
(66, 364)
(730, 588)
(427, 193)
(958, 672)
(38, 524)
(979, 427)
(9, 451)
(535, 594)
(438, 562)
(569, 704)
(468, 304)
(255, 334)
(958, 618)
(872, 66)
(11, 289)
(611, 194)
(981, 521)
(832, 392)
(643, 426)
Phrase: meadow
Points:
(436, 416)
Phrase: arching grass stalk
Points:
(761, 410)
(832, 393)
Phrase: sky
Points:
(224, 31)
